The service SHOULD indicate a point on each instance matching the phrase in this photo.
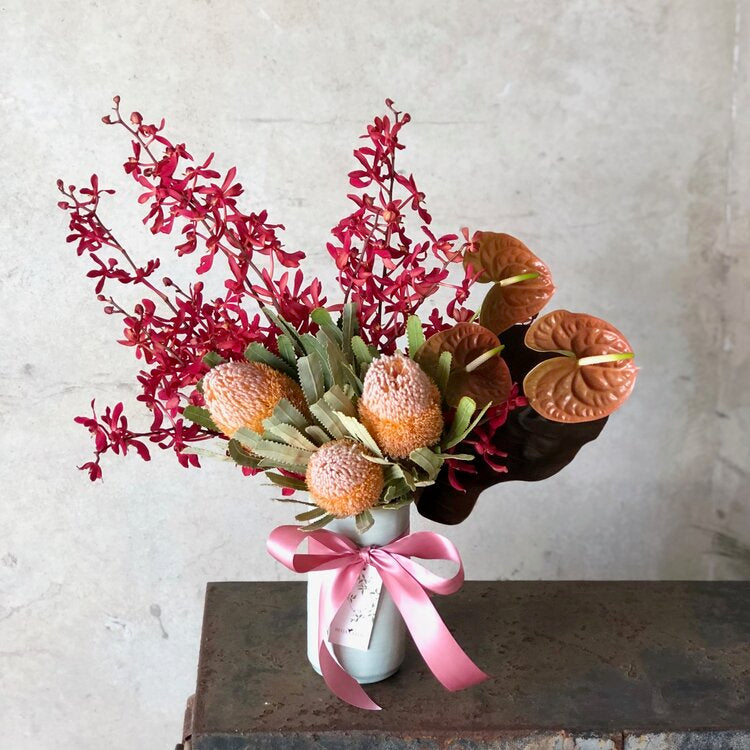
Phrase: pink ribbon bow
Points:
(406, 582)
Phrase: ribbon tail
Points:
(341, 683)
(440, 650)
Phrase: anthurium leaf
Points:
(212, 359)
(594, 375)
(414, 335)
(537, 448)
(282, 480)
(363, 521)
(311, 378)
(519, 358)
(200, 416)
(256, 352)
(308, 515)
(240, 456)
(468, 343)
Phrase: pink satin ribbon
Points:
(406, 582)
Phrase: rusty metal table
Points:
(576, 666)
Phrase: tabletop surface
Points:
(590, 658)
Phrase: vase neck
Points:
(388, 525)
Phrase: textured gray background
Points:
(611, 136)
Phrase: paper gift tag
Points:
(353, 623)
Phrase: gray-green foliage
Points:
(330, 367)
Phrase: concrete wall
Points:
(611, 136)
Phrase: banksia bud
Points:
(400, 406)
(341, 480)
(243, 394)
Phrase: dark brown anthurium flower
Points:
(523, 283)
(476, 370)
(593, 375)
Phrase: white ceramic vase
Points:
(388, 641)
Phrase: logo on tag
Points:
(353, 623)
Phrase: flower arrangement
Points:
(318, 395)
(367, 402)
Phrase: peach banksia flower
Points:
(341, 480)
(243, 394)
(400, 406)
